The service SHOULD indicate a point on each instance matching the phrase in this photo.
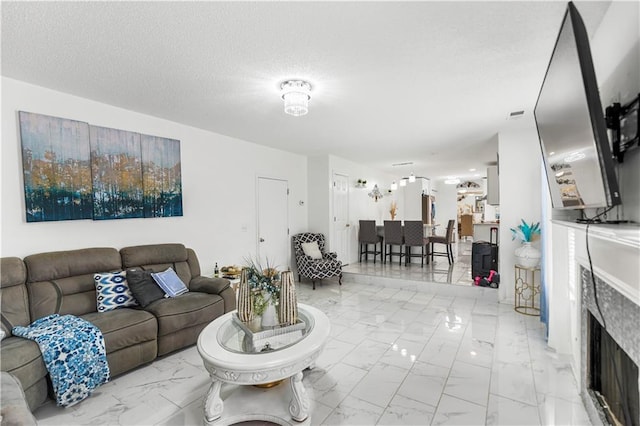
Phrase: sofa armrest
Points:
(14, 409)
(331, 255)
(209, 285)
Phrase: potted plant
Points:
(393, 210)
(264, 283)
(527, 256)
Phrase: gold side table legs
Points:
(527, 291)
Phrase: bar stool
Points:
(367, 235)
(446, 239)
(414, 237)
(393, 237)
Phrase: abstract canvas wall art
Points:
(162, 177)
(56, 168)
(116, 167)
(73, 170)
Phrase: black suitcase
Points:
(484, 256)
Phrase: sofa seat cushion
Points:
(22, 358)
(187, 310)
(124, 327)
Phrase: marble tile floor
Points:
(395, 356)
(439, 271)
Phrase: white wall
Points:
(218, 183)
(319, 190)
(446, 206)
(361, 206)
(615, 48)
(520, 196)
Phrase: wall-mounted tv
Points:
(571, 124)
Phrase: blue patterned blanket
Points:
(74, 353)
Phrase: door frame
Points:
(257, 200)
(347, 253)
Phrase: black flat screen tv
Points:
(571, 124)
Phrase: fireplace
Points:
(611, 354)
(613, 377)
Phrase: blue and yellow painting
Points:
(116, 168)
(56, 168)
(161, 175)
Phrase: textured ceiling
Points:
(427, 82)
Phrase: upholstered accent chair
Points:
(324, 265)
(414, 237)
(393, 237)
(446, 240)
(367, 235)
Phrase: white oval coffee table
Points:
(229, 359)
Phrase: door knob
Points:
(262, 240)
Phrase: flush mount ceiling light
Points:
(452, 181)
(296, 95)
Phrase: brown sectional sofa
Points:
(62, 282)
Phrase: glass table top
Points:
(238, 337)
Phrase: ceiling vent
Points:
(515, 114)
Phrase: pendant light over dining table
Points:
(296, 95)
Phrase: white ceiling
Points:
(426, 82)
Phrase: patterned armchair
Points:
(316, 269)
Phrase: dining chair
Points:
(367, 235)
(447, 240)
(414, 237)
(393, 237)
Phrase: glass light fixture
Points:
(296, 95)
(403, 182)
(394, 185)
(375, 193)
(412, 178)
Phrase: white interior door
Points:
(273, 222)
(340, 241)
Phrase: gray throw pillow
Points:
(143, 287)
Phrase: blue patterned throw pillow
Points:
(112, 291)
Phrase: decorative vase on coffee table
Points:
(245, 302)
(527, 256)
(270, 315)
(288, 300)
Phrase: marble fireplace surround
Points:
(622, 317)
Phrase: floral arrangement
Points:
(264, 283)
(525, 232)
(393, 210)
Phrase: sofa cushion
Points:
(112, 291)
(159, 257)
(62, 282)
(124, 327)
(143, 287)
(13, 294)
(185, 311)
